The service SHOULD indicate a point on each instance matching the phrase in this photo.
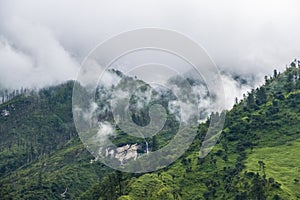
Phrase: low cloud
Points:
(43, 43)
(32, 57)
(237, 88)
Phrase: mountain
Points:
(41, 156)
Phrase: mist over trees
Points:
(6, 95)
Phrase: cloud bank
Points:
(43, 43)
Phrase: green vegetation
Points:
(257, 156)
(40, 152)
(281, 163)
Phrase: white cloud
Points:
(32, 57)
(234, 89)
(105, 131)
(44, 42)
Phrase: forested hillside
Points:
(257, 156)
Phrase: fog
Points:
(43, 42)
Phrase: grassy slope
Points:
(282, 163)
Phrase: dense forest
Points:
(42, 157)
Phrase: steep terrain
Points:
(41, 154)
(256, 158)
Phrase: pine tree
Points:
(261, 96)
(275, 73)
(250, 100)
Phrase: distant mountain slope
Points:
(35, 124)
(40, 152)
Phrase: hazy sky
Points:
(44, 42)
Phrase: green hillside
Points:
(41, 156)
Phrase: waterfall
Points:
(147, 150)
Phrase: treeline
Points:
(290, 80)
(6, 95)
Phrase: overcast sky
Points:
(44, 42)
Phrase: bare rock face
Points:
(123, 154)
(126, 152)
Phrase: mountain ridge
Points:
(265, 121)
